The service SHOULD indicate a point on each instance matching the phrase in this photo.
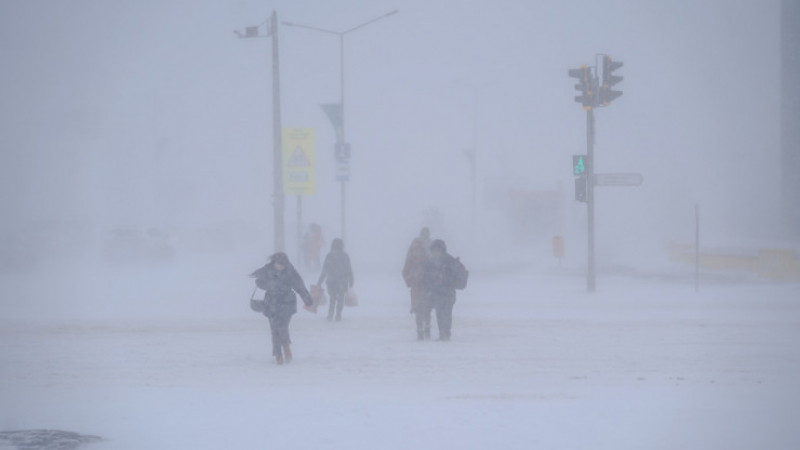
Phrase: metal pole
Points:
(343, 137)
(697, 247)
(299, 228)
(590, 275)
(277, 154)
(474, 181)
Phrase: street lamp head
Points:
(249, 32)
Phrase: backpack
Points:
(460, 274)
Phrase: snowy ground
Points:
(172, 357)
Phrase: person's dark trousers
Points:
(423, 316)
(444, 317)
(336, 304)
(279, 325)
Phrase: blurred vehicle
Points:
(132, 245)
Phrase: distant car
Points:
(130, 245)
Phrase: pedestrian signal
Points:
(581, 164)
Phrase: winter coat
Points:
(414, 274)
(414, 267)
(439, 278)
(280, 287)
(336, 271)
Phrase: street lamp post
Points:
(277, 151)
(341, 139)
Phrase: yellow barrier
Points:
(775, 264)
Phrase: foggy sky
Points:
(154, 113)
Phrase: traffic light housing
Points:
(582, 170)
(581, 189)
(584, 86)
(607, 93)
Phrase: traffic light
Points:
(584, 76)
(581, 165)
(607, 94)
(582, 170)
(580, 189)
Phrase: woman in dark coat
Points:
(280, 281)
(339, 274)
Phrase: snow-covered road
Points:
(535, 362)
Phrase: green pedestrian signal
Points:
(580, 165)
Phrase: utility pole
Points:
(277, 151)
(590, 272)
(697, 247)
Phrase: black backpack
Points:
(460, 274)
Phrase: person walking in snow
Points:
(413, 274)
(313, 245)
(338, 276)
(425, 238)
(439, 282)
(279, 279)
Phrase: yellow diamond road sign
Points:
(299, 161)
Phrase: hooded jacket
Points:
(280, 287)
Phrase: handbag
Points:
(318, 295)
(256, 304)
(350, 299)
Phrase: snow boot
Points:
(287, 353)
(331, 310)
(420, 335)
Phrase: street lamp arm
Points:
(292, 24)
(340, 139)
(390, 13)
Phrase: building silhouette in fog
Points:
(790, 116)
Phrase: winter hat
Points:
(337, 244)
(438, 244)
(280, 258)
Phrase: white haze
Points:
(153, 113)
